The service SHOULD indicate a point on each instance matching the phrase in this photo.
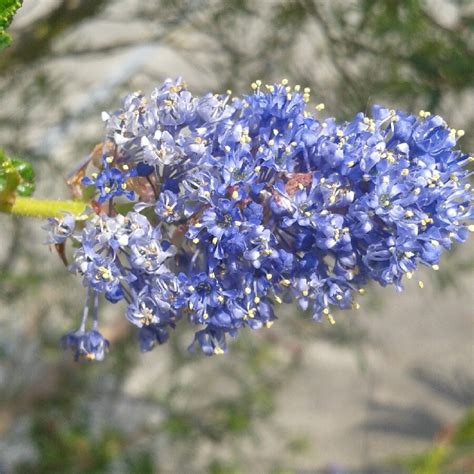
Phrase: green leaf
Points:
(17, 177)
(8, 9)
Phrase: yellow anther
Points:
(257, 169)
(331, 319)
(195, 240)
(125, 167)
(190, 306)
(220, 298)
(307, 213)
(278, 299)
(256, 300)
(285, 282)
(271, 142)
(214, 240)
(269, 276)
(235, 194)
(320, 107)
(212, 275)
(284, 81)
(258, 82)
(350, 164)
(409, 213)
(362, 291)
(253, 85)
(218, 351)
(435, 267)
(109, 159)
(305, 292)
(247, 291)
(123, 186)
(206, 193)
(355, 305)
(238, 223)
(417, 191)
(421, 284)
(409, 254)
(409, 275)
(190, 288)
(405, 172)
(269, 324)
(288, 96)
(385, 179)
(297, 88)
(338, 297)
(434, 243)
(107, 189)
(228, 92)
(205, 316)
(326, 311)
(460, 133)
(470, 228)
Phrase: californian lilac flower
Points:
(60, 228)
(150, 253)
(150, 335)
(89, 344)
(169, 207)
(242, 204)
(111, 182)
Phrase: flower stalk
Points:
(42, 208)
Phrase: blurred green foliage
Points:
(453, 453)
(8, 8)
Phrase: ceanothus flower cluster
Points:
(213, 209)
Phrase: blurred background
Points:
(388, 389)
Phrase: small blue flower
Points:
(90, 345)
(60, 228)
(111, 182)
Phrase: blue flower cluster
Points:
(214, 209)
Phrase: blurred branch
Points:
(35, 41)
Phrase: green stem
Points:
(42, 208)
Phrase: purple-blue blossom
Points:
(214, 210)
